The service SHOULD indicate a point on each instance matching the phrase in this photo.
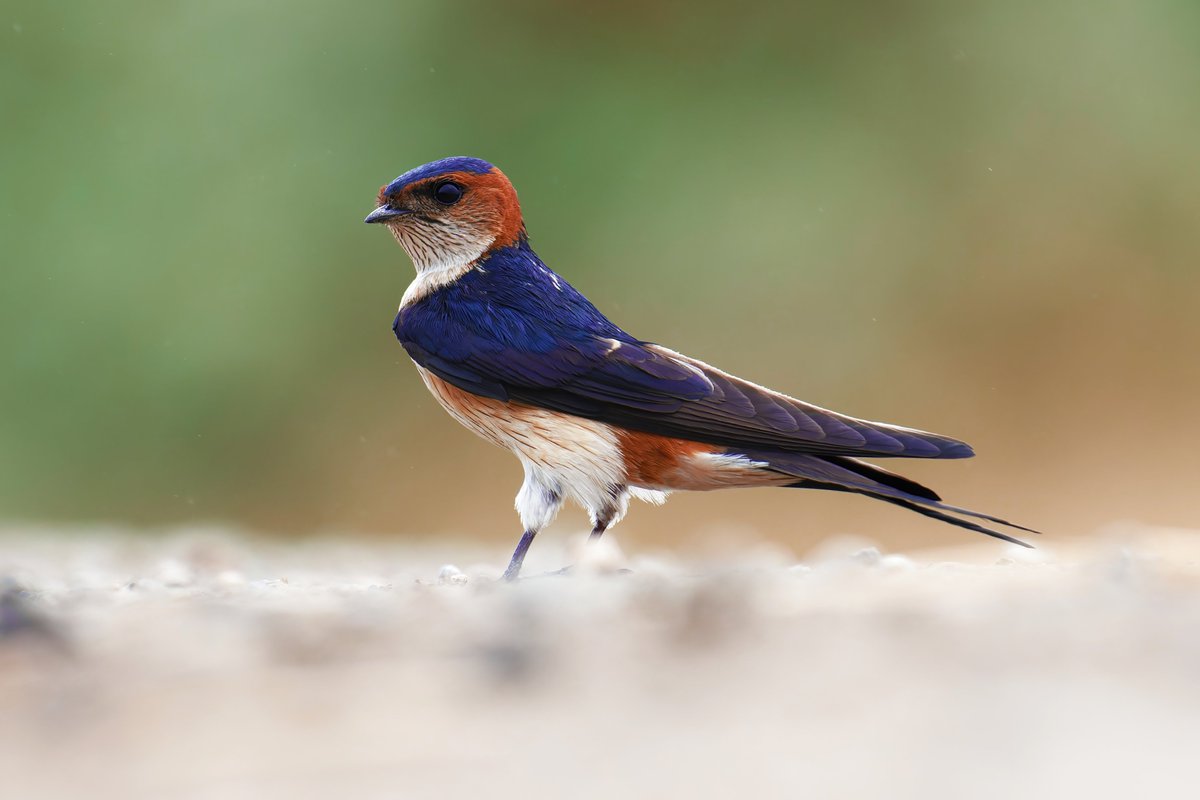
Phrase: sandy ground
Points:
(209, 665)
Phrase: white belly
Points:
(564, 457)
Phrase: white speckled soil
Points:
(216, 666)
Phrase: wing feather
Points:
(508, 344)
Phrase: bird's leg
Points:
(538, 501)
(598, 531)
(518, 556)
(603, 517)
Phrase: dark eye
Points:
(447, 193)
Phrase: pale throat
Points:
(440, 256)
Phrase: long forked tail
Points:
(844, 474)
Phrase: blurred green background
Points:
(974, 217)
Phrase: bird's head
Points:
(448, 213)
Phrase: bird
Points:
(595, 415)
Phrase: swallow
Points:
(595, 415)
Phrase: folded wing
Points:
(595, 370)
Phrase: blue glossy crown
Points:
(441, 167)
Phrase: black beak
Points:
(384, 213)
